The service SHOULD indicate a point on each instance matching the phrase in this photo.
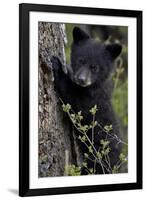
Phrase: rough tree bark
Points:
(56, 141)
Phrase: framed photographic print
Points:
(80, 100)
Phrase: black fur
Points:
(92, 64)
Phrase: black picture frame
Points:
(24, 10)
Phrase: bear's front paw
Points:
(56, 64)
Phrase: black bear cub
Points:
(88, 83)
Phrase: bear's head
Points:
(91, 61)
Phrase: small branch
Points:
(93, 129)
(112, 136)
(96, 159)
(108, 162)
(103, 160)
(102, 167)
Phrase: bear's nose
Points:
(82, 79)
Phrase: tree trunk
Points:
(56, 140)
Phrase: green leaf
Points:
(84, 138)
(79, 113)
(104, 143)
(66, 108)
(72, 116)
(84, 164)
(106, 151)
(108, 128)
(93, 110)
(80, 138)
(79, 116)
(115, 169)
(74, 121)
(122, 157)
(99, 156)
(73, 170)
(90, 149)
(84, 128)
(86, 155)
(93, 124)
(91, 170)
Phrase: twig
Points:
(93, 129)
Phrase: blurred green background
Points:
(110, 34)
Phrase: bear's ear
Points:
(79, 35)
(114, 50)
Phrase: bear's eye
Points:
(82, 61)
(94, 68)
